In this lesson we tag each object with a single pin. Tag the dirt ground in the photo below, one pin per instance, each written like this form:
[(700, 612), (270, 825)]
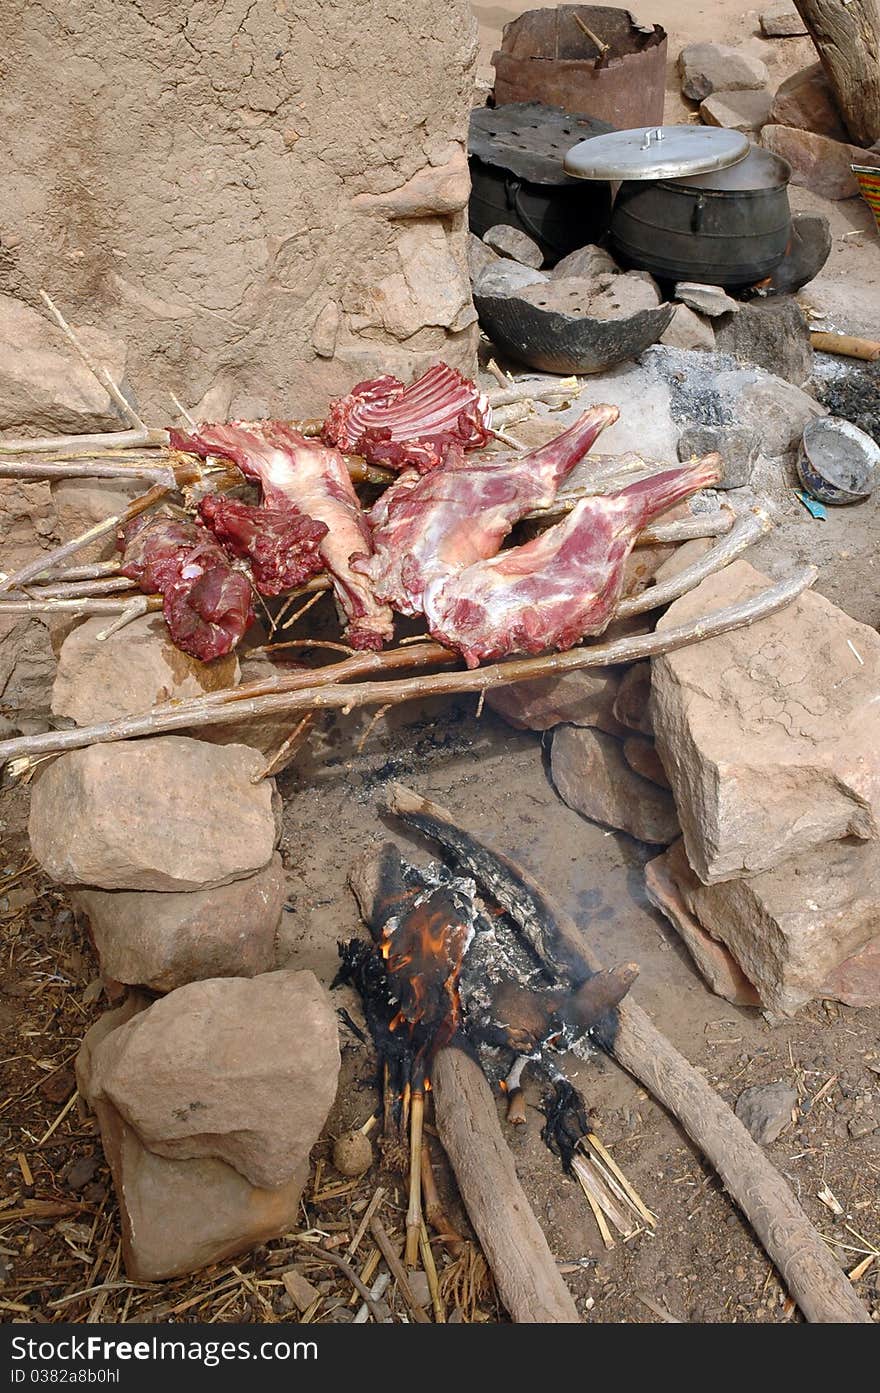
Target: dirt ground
[(59, 1248)]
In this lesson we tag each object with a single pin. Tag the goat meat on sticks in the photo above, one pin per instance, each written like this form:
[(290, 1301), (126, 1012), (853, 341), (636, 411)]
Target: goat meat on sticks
[(562, 586), (428, 529), (302, 476), (413, 426), (282, 545), (206, 602)]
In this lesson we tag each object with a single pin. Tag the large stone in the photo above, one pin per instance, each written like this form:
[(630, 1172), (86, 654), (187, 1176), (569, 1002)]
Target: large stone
[(782, 21), (576, 698), (164, 940), (687, 329), (805, 101), (817, 163), (771, 334), (166, 813), (765, 1109), (707, 299), (715, 963), (480, 257), (178, 1216), (26, 661), (641, 755), (770, 735), (592, 776), (856, 982), (133, 670), (518, 246), (45, 387), (632, 704), (210, 219), (705, 68), (241, 1070), (745, 111), (506, 277), (585, 263), (792, 927), (81, 503)]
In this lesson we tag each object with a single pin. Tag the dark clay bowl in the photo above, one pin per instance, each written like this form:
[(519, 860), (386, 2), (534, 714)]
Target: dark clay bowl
[(837, 461), (554, 342)]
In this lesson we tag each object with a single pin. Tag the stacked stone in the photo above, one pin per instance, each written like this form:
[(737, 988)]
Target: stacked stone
[(770, 738), (210, 1098)]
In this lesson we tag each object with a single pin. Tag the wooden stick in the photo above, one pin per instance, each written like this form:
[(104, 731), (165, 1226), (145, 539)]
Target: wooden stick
[(94, 368), (434, 1211), (86, 604), (801, 1256), (523, 1266), (414, 1211), (534, 391), (87, 469), (398, 1272), (846, 345), (430, 1267), (47, 444), (744, 533), (100, 529), (80, 589), (133, 610), (294, 693), (337, 1261), (701, 525)]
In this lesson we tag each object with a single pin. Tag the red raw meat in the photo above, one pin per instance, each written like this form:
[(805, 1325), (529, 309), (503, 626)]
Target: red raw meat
[(282, 544), (563, 585), (206, 602), (308, 478), (413, 426), (430, 527)]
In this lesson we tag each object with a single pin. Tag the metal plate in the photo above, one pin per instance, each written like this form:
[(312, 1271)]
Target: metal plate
[(656, 152), (529, 139)]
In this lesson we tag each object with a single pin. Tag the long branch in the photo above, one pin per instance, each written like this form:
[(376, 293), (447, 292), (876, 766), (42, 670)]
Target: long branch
[(345, 697)]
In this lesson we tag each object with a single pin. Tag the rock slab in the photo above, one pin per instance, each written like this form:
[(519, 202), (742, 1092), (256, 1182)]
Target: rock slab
[(770, 735), (167, 813), (164, 940), (817, 163), (517, 245), (705, 68), (133, 670), (772, 334), (592, 776), (744, 111), (239, 1070), (576, 698), (782, 21), (805, 101)]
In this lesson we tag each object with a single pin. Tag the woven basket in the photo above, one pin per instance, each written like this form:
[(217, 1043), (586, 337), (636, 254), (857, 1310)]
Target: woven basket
[(869, 187)]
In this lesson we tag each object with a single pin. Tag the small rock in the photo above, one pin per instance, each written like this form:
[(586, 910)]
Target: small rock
[(765, 1110), (705, 68), (782, 21), (688, 330), (592, 776), (506, 278), (744, 111), (641, 755), (45, 388), (632, 703), (773, 750), (585, 264), (135, 669), (166, 813), (715, 963), (577, 698), (418, 1281), (240, 1070), (480, 257), (772, 334), (517, 245), (81, 1171), (818, 163), (737, 445), (708, 299), (163, 940), (805, 101)]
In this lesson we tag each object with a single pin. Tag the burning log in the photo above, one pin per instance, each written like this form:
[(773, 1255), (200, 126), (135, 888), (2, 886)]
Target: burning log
[(802, 1258)]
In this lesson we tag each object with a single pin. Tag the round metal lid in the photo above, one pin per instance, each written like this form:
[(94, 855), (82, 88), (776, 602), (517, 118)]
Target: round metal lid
[(656, 152)]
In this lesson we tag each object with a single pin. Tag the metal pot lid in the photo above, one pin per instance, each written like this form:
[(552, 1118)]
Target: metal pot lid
[(530, 139), (656, 152)]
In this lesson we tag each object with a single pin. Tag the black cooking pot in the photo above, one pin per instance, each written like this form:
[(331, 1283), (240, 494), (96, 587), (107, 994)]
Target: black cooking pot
[(729, 227), (516, 153)]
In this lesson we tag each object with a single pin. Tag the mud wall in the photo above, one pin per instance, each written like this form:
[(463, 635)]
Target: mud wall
[(264, 198)]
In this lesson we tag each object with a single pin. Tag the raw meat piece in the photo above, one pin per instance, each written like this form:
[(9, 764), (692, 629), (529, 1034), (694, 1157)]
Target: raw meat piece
[(282, 545), (564, 584), (413, 426), (306, 477), (428, 528), (206, 603)]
